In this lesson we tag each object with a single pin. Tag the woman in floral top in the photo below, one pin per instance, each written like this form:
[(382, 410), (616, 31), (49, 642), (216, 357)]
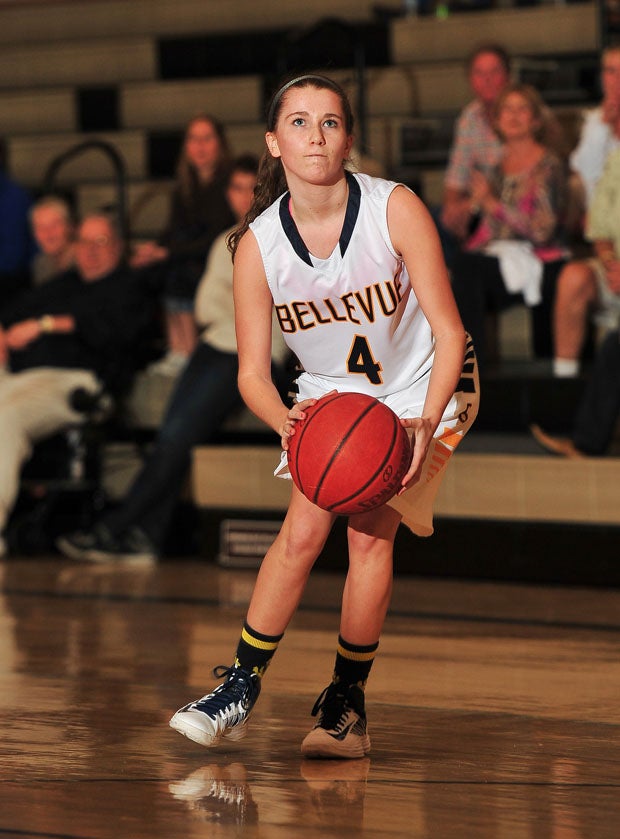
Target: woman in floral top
[(516, 252)]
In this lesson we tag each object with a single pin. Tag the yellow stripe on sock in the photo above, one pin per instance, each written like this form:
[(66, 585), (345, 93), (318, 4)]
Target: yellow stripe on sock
[(257, 643), (352, 656)]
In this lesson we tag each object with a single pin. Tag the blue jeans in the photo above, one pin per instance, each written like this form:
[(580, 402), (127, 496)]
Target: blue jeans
[(599, 407), (203, 398)]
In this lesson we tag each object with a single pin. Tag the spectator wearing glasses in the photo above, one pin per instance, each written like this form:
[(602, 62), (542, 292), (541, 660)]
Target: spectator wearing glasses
[(77, 331)]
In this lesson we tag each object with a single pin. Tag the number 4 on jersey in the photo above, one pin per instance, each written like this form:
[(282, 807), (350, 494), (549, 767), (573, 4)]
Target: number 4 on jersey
[(361, 360)]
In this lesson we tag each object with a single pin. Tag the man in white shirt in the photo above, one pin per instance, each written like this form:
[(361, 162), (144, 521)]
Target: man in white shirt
[(600, 133)]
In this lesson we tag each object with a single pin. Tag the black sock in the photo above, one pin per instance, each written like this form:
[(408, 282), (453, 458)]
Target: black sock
[(353, 663), (255, 650)]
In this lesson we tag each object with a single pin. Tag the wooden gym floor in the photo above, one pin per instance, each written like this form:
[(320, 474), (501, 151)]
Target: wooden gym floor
[(494, 711)]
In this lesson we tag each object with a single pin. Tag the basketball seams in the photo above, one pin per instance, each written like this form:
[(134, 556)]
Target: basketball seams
[(328, 461), (378, 471), (339, 448), (300, 428)]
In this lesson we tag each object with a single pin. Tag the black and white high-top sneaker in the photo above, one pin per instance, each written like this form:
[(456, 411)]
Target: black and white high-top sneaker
[(221, 713), (340, 728)]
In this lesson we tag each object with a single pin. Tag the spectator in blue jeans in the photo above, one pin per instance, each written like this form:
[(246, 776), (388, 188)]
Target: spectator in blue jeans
[(598, 411), (205, 394)]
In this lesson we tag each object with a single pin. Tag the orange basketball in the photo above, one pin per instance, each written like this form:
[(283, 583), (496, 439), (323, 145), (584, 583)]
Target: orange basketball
[(350, 453)]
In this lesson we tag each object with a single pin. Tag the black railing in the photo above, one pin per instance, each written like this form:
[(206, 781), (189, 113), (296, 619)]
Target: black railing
[(120, 171)]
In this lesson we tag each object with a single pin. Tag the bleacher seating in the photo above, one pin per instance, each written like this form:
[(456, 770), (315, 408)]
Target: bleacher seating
[(543, 29), (132, 73)]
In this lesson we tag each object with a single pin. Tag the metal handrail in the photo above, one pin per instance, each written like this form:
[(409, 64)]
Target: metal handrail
[(118, 165)]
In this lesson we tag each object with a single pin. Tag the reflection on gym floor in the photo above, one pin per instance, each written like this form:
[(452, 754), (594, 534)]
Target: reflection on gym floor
[(493, 710)]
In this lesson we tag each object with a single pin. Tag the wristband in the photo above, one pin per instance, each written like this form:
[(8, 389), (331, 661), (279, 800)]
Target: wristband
[(46, 323)]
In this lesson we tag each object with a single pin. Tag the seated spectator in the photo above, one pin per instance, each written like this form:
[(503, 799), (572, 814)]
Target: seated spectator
[(77, 331), (204, 396), (600, 132), (598, 411), (476, 143), (199, 213), (54, 231), (591, 286), (17, 246), (516, 252)]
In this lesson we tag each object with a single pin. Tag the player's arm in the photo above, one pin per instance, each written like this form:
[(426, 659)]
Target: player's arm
[(253, 323), (415, 237)]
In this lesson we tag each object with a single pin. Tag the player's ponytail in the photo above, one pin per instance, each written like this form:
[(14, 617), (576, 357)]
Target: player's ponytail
[(270, 184)]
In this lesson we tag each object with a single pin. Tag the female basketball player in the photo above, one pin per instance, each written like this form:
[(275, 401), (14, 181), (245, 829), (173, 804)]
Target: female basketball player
[(354, 268)]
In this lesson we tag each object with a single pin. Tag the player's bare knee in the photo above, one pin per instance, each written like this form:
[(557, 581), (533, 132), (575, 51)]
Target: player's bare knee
[(366, 547), (301, 542)]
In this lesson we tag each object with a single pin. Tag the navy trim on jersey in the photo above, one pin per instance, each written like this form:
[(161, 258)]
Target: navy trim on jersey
[(353, 208), (348, 226)]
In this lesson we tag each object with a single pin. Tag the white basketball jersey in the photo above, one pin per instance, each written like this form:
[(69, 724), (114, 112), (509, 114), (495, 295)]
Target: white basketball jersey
[(352, 320)]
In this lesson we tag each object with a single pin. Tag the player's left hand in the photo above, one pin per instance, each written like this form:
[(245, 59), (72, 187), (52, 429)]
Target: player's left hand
[(420, 441), (296, 413)]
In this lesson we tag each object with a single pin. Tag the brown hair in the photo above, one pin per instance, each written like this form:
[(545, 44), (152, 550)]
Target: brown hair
[(535, 102), (186, 173), (62, 207), (271, 179), (495, 49)]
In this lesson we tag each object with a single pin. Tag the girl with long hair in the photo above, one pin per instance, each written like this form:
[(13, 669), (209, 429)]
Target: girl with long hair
[(328, 249), (199, 212)]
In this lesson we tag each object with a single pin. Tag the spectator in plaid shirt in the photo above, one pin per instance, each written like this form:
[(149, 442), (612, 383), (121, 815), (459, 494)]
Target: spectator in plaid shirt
[(475, 144)]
